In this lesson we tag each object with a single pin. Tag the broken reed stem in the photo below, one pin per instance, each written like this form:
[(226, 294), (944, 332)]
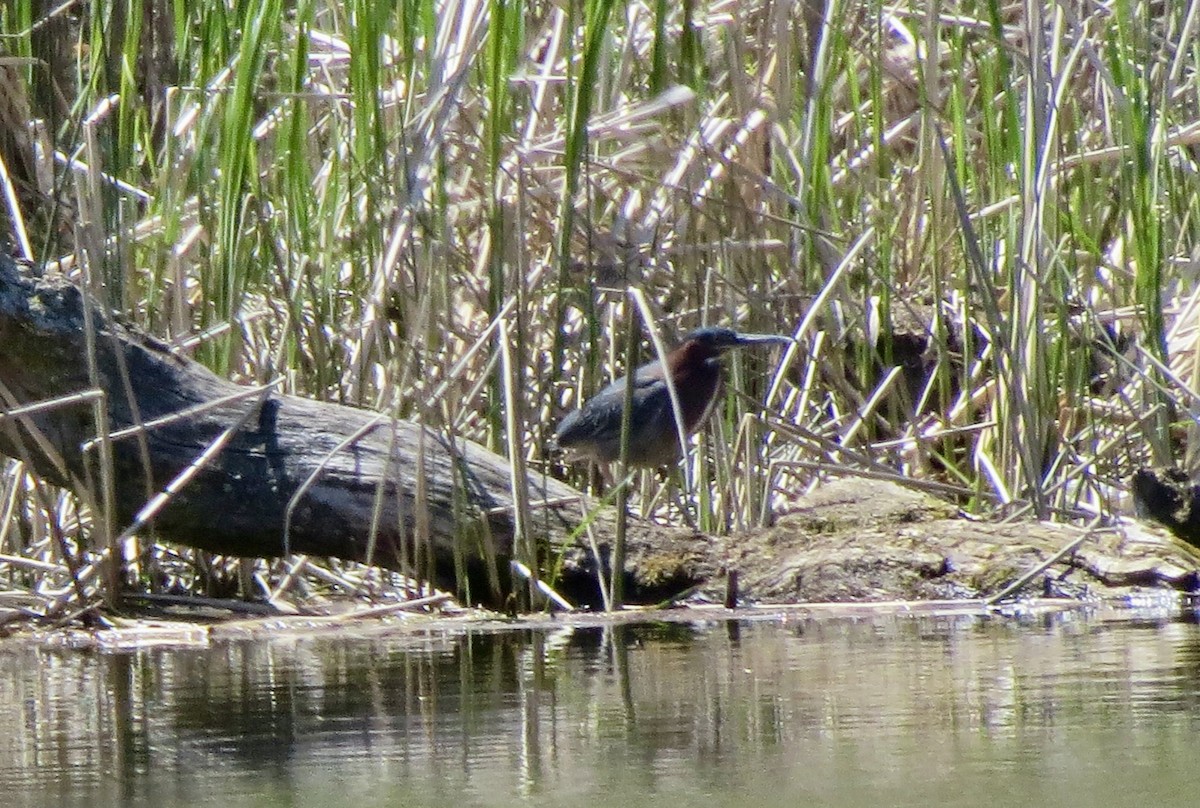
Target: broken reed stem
[(161, 499), (1019, 584), (524, 549), (616, 587), (38, 407)]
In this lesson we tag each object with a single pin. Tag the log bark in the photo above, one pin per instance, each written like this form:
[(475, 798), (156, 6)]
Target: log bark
[(332, 458)]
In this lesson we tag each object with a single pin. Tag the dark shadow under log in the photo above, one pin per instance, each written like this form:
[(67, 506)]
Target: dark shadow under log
[(340, 456)]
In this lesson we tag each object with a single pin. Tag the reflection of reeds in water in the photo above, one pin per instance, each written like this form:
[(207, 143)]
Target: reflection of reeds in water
[(777, 708), (347, 197)]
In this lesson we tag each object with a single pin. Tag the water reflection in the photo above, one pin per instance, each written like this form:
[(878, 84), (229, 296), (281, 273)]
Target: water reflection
[(897, 711)]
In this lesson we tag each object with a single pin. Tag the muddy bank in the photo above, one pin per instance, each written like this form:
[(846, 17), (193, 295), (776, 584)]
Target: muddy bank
[(866, 540)]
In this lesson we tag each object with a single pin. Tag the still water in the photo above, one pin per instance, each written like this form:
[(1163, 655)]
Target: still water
[(885, 711)]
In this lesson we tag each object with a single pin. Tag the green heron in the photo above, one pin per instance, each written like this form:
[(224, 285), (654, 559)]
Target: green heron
[(594, 430)]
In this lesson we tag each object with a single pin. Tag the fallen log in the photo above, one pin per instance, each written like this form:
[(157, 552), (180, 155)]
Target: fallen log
[(359, 483), (851, 540)]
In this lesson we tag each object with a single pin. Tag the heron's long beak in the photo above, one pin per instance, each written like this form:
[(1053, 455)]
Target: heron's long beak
[(763, 339)]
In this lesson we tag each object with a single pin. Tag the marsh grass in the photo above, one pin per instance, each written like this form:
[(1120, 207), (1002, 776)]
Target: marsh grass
[(347, 195)]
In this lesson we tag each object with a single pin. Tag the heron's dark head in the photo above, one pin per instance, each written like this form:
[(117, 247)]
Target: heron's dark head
[(716, 340)]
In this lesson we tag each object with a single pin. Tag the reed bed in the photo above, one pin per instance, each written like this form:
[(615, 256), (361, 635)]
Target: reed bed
[(978, 219)]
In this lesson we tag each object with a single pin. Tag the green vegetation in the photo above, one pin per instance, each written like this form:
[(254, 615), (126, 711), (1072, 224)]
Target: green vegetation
[(1000, 194)]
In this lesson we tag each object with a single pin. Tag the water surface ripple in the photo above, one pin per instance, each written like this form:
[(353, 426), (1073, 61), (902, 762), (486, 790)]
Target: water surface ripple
[(890, 711)]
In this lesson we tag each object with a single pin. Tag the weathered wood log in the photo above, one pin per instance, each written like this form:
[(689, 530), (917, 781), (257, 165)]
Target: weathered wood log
[(334, 457)]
